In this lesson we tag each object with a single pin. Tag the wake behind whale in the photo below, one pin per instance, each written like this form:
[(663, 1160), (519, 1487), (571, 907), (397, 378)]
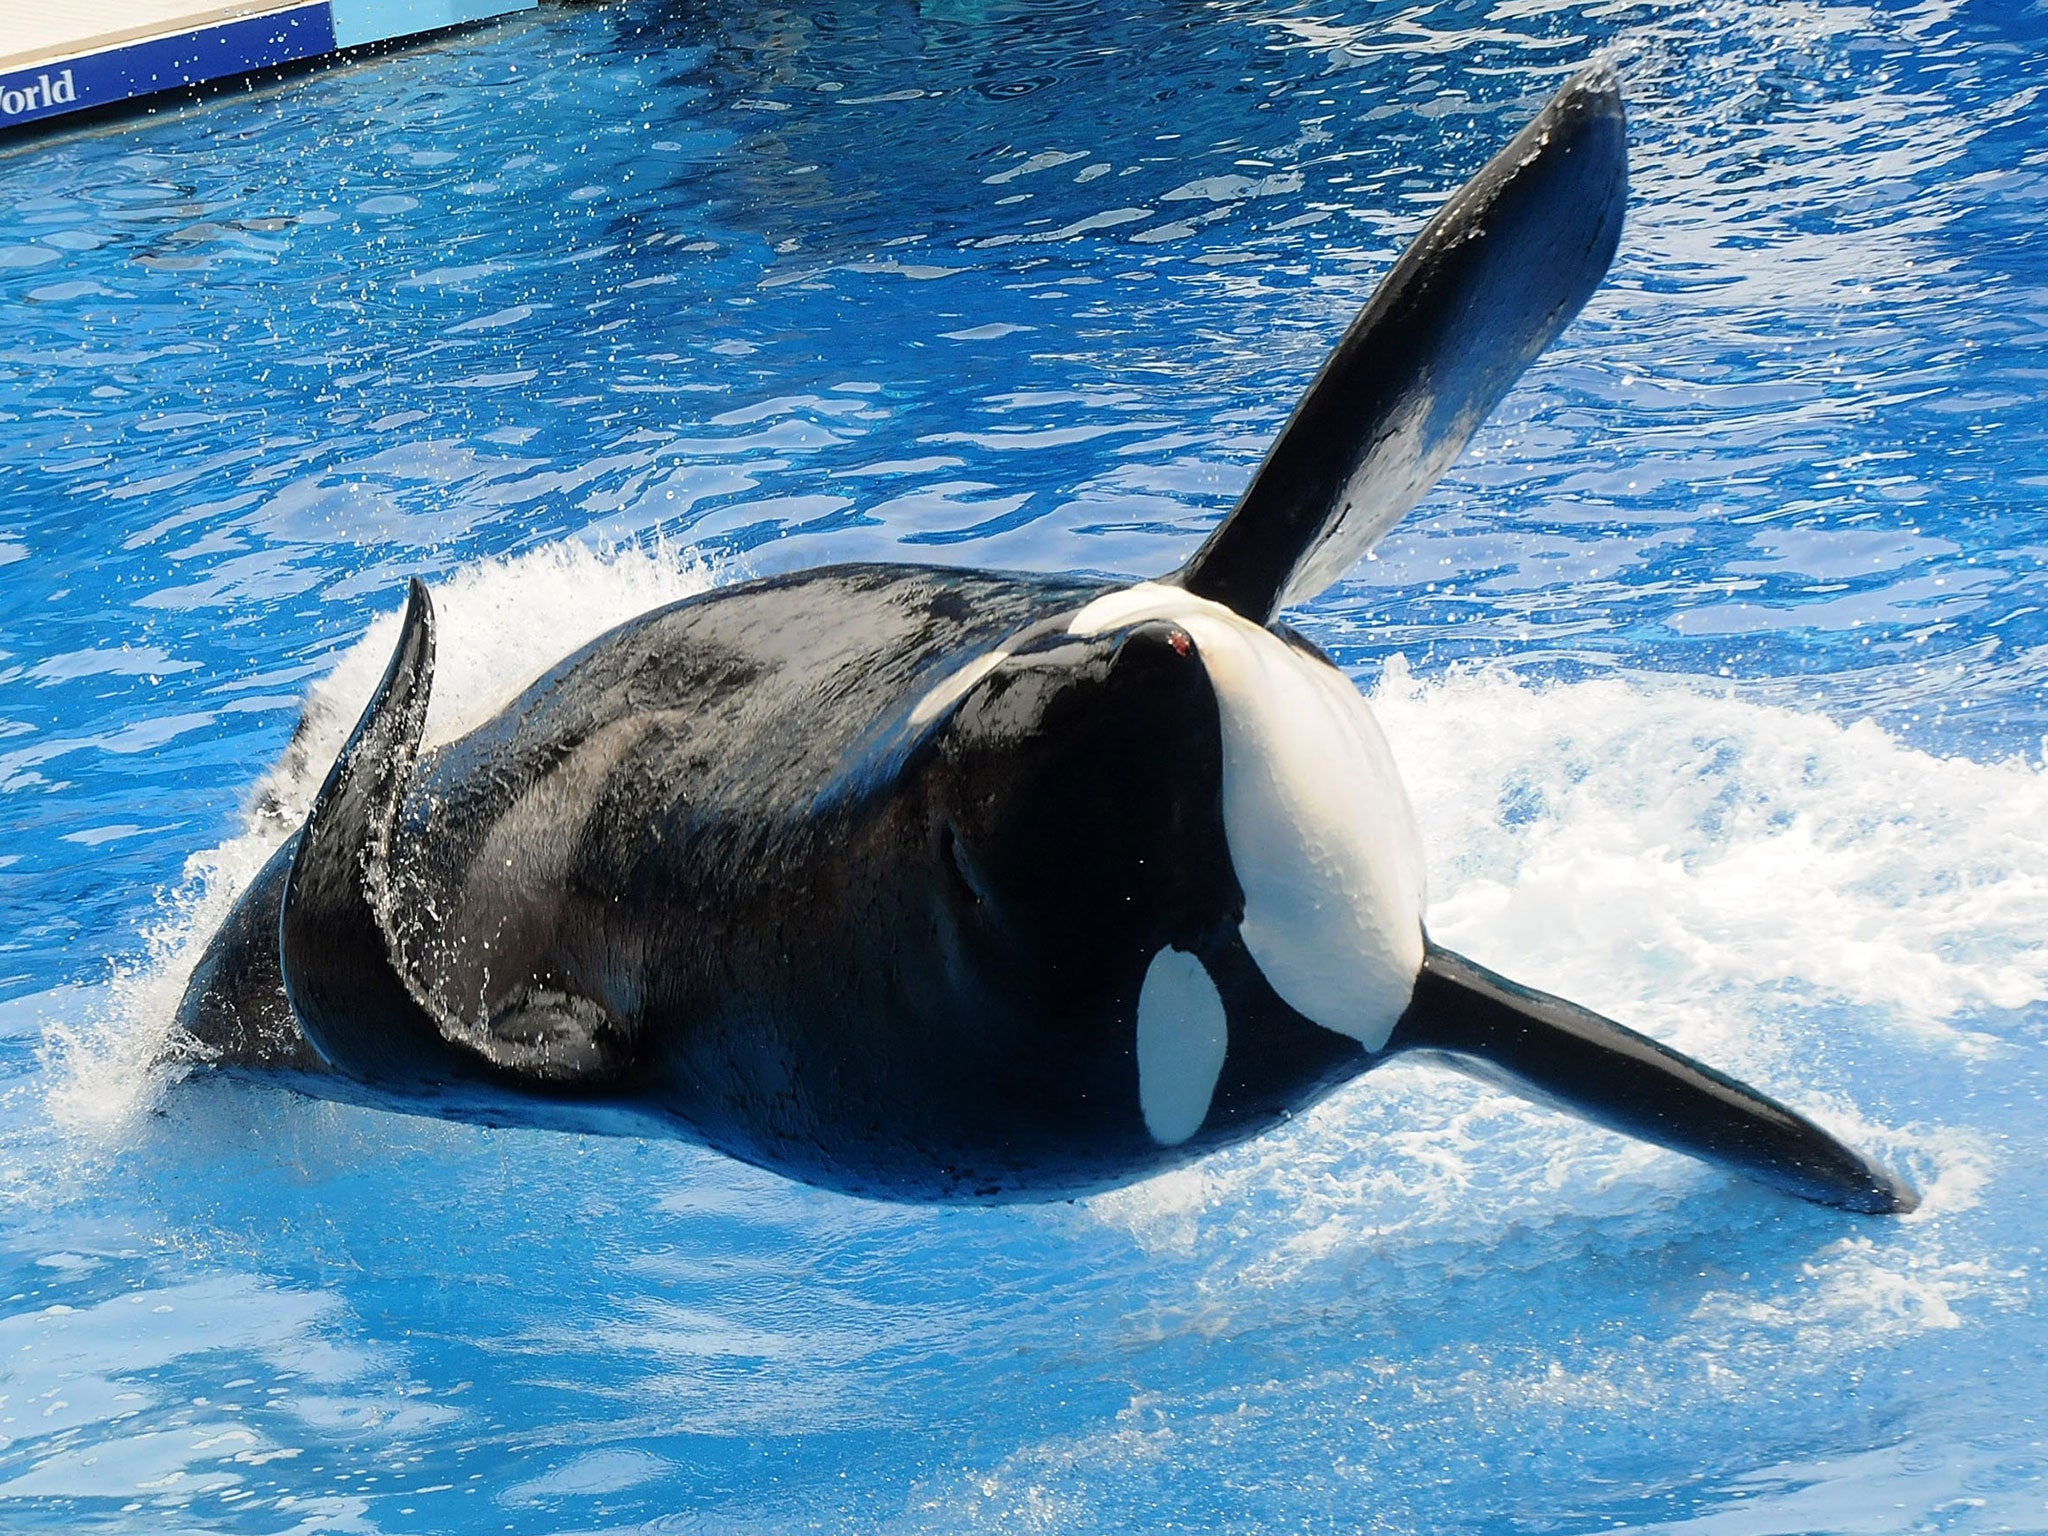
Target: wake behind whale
[(925, 883)]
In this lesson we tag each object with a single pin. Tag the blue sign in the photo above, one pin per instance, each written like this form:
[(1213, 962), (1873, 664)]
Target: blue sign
[(164, 63)]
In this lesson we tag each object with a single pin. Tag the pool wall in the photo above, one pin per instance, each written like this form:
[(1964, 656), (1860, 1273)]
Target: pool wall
[(98, 54)]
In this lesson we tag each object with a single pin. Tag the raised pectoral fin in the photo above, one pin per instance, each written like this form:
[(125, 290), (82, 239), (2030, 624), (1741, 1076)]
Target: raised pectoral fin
[(1485, 287), (1557, 1052)]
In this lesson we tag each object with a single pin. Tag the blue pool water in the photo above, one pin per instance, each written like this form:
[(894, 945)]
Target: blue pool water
[(1714, 670)]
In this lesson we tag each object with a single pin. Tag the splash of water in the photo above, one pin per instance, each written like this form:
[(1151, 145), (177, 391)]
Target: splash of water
[(501, 624), (1718, 871)]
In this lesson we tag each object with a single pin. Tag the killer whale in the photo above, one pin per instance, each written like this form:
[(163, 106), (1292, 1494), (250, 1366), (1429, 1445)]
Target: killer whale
[(931, 883)]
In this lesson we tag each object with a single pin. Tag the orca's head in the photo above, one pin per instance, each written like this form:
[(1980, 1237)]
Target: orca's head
[(1129, 803), (1150, 810), (1078, 812)]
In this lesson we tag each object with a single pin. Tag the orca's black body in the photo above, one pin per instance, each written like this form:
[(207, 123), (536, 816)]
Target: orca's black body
[(930, 883)]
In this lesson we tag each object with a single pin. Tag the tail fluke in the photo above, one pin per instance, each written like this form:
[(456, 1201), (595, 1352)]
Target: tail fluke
[(1487, 285), (1559, 1053)]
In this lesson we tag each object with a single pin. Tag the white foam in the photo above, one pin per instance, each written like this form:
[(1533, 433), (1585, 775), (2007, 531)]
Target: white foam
[(500, 624), (1763, 887), (1654, 846)]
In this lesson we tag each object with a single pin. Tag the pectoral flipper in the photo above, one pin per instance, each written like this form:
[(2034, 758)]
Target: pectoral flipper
[(1486, 286), (1557, 1052)]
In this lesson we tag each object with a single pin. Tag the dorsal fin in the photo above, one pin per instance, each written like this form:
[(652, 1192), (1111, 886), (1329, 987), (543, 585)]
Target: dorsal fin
[(350, 998), (343, 972), (343, 969), (1487, 285)]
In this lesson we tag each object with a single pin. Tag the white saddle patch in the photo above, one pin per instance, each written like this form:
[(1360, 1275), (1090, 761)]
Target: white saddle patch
[(1319, 829), (1182, 1037)]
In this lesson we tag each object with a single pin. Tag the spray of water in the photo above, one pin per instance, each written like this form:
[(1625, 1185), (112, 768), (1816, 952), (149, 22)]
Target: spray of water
[(501, 624), (1720, 872)]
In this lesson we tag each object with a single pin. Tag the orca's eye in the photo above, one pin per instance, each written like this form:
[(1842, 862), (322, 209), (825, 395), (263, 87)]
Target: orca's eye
[(1161, 632)]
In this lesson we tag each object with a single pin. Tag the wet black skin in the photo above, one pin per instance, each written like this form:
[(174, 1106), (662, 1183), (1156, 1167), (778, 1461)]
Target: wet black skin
[(712, 876), (887, 959)]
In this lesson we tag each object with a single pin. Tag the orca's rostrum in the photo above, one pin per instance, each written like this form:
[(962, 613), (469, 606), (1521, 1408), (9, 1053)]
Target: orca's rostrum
[(925, 883)]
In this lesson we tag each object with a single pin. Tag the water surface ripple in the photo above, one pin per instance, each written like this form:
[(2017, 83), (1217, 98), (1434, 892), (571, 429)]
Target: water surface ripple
[(1714, 669)]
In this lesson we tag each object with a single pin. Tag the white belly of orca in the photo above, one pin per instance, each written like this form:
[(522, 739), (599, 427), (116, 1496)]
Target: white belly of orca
[(1319, 829)]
